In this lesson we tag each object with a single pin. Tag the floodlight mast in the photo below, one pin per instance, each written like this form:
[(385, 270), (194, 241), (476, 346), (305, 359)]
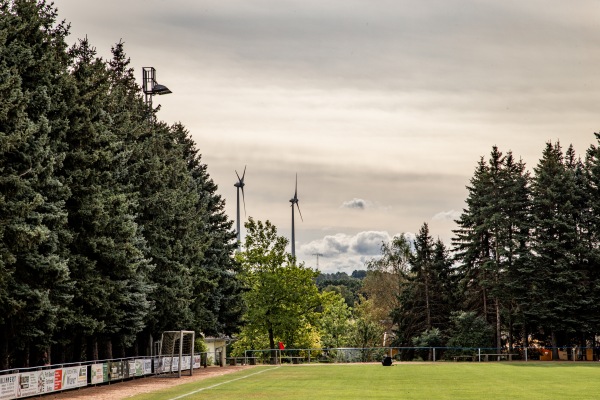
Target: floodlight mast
[(151, 87)]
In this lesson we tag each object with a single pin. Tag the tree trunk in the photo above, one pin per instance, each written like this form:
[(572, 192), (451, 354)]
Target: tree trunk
[(498, 327), (4, 349), (485, 311), (554, 348), (510, 334), (93, 348), (26, 356), (107, 352), (272, 346)]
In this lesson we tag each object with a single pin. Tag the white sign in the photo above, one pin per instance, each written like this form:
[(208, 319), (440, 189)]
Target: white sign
[(8, 386)]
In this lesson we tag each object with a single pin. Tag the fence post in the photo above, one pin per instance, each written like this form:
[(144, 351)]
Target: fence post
[(479, 353), (525, 353), (434, 354)]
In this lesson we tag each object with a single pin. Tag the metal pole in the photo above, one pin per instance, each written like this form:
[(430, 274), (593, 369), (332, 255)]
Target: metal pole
[(180, 354)]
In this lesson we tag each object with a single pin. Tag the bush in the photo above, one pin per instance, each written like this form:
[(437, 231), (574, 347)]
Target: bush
[(429, 338), (469, 331)]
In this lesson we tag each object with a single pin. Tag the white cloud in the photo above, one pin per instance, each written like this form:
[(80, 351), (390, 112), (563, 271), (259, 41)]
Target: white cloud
[(342, 252), (447, 215)]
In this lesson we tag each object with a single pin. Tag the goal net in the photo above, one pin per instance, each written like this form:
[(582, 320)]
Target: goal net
[(175, 353)]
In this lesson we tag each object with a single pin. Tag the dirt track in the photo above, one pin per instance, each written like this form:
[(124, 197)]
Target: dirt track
[(130, 388)]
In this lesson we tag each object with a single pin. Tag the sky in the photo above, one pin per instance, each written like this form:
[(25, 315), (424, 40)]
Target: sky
[(382, 108)]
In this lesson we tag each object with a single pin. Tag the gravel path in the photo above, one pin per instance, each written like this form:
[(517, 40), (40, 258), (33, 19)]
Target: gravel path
[(130, 388)]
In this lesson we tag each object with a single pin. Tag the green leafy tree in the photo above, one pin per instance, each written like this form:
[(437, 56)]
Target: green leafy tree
[(335, 321), (366, 332), (386, 280), (426, 340), (282, 299)]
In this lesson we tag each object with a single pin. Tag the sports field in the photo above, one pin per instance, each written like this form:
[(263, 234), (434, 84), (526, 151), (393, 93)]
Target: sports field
[(493, 380)]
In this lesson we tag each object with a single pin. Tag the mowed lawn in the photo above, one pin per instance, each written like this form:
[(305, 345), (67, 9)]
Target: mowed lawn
[(442, 380)]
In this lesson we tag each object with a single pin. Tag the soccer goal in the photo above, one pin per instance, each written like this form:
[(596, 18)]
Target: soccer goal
[(175, 354)]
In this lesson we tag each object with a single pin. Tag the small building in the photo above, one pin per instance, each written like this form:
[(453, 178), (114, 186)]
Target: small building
[(216, 348)]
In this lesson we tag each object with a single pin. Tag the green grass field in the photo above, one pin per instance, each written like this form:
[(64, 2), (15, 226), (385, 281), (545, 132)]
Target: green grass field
[(493, 380)]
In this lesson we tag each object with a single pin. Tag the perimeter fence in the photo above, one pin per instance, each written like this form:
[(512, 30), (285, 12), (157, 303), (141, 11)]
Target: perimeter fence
[(50, 379), (40, 380), (376, 354)]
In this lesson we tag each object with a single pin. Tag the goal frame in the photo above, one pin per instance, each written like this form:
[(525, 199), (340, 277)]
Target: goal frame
[(175, 350)]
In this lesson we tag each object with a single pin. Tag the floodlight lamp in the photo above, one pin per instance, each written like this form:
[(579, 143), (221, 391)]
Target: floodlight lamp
[(160, 89)]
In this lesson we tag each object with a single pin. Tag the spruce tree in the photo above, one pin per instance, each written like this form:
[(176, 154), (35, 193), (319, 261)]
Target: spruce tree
[(168, 216), (590, 230), (218, 304), (431, 295), (34, 279), (128, 123), (555, 281), (492, 237), (107, 260)]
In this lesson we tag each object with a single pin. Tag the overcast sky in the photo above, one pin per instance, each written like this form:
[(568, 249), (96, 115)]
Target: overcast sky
[(383, 108)]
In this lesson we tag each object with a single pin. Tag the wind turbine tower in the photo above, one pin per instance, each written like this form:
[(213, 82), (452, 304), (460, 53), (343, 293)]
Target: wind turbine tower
[(240, 186), (294, 200)]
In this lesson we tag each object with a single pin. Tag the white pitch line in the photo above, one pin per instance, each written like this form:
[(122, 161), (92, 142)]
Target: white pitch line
[(222, 383)]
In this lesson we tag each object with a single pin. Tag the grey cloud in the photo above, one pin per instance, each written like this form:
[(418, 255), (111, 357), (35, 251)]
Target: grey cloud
[(363, 243), (369, 243), (346, 253), (329, 246), (355, 203), (409, 46)]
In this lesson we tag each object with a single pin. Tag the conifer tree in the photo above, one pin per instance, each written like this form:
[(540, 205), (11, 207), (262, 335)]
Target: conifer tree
[(218, 305), (492, 237), (128, 123), (555, 281), (34, 279), (169, 218), (107, 260), (590, 229)]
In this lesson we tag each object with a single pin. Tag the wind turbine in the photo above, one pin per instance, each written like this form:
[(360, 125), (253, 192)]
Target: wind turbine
[(240, 185), (294, 200)]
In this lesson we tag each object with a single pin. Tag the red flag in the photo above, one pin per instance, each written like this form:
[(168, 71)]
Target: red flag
[(281, 346)]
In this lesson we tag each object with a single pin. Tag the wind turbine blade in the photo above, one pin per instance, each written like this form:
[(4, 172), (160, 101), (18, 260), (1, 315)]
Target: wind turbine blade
[(244, 200), (238, 175), (298, 205), (244, 174), (296, 191)]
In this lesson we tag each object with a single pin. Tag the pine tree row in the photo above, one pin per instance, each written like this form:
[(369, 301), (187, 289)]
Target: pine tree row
[(111, 230), (525, 266)]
